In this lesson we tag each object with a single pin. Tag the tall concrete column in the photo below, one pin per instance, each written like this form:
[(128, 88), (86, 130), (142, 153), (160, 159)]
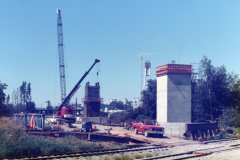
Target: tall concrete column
[(174, 93)]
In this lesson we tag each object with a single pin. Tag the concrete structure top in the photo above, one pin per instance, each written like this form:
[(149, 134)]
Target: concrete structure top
[(173, 68)]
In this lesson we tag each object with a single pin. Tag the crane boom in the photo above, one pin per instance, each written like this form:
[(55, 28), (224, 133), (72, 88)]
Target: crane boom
[(61, 55), (75, 88)]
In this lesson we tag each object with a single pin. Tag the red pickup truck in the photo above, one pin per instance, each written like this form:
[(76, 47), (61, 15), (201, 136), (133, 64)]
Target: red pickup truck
[(148, 127)]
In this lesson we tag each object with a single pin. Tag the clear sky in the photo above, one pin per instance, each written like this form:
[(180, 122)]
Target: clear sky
[(114, 31)]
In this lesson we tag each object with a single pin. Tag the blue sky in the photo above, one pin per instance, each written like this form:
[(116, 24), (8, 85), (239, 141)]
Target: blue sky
[(115, 32)]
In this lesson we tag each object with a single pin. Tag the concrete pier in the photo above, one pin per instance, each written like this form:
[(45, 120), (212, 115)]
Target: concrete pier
[(174, 93)]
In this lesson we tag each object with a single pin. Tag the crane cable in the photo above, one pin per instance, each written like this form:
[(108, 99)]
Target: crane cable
[(98, 72)]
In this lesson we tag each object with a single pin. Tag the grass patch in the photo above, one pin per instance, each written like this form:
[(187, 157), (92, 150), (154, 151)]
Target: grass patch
[(128, 157), (15, 142), (148, 155)]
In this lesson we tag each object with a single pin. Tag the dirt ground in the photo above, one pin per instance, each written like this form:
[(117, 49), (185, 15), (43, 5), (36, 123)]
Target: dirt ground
[(227, 155), (168, 141), (121, 131)]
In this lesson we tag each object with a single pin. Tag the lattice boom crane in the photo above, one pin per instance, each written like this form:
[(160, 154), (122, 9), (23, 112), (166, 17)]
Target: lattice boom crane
[(61, 55)]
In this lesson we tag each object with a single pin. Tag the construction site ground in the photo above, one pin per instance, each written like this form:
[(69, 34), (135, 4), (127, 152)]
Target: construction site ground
[(123, 132), (182, 144)]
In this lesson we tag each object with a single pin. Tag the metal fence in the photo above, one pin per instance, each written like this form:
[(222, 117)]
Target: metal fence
[(30, 121)]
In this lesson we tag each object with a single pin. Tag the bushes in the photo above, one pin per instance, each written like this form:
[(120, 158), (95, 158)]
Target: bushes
[(129, 157), (15, 142), (229, 118), (119, 117), (237, 132)]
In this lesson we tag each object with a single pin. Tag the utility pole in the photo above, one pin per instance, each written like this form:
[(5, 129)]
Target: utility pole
[(61, 55)]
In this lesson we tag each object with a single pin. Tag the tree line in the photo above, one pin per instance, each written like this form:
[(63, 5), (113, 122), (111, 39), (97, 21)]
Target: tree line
[(215, 96), (21, 100)]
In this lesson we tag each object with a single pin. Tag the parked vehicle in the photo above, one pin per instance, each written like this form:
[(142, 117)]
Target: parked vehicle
[(148, 127), (54, 119), (87, 127)]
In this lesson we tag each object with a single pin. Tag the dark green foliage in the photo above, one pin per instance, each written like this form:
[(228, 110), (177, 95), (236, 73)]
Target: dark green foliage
[(15, 142), (118, 105), (20, 108), (146, 111), (2, 94), (26, 104), (229, 118), (8, 110), (138, 114), (2, 98), (211, 93), (149, 99), (7, 99), (119, 117), (30, 106), (237, 132), (216, 96), (49, 107), (25, 92), (115, 105), (236, 94), (148, 108)]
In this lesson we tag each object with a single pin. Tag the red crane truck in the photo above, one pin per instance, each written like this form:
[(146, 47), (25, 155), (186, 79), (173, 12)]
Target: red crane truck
[(64, 110)]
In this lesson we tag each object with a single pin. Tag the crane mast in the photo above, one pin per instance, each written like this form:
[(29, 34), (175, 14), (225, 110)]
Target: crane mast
[(61, 55)]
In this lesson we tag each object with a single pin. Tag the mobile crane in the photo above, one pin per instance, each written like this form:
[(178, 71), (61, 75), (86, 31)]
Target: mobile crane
[(64, 110)]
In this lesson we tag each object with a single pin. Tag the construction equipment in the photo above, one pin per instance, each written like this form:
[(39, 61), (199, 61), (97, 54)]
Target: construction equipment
[(64, 110), (87, 127), (61, 55)]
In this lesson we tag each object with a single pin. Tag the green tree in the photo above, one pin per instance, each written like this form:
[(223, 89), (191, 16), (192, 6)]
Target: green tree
[(30, 106), (7, 99), (149, 99), (235, 109), (137, 114), (128, 105), (236, 94), (211, 93), (2, 98), (28, 92), (25, 94), (20, 108), (116, 105), (9, 110)]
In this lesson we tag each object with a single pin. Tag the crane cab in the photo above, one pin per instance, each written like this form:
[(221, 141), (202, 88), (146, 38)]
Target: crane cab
[(66, 113)]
